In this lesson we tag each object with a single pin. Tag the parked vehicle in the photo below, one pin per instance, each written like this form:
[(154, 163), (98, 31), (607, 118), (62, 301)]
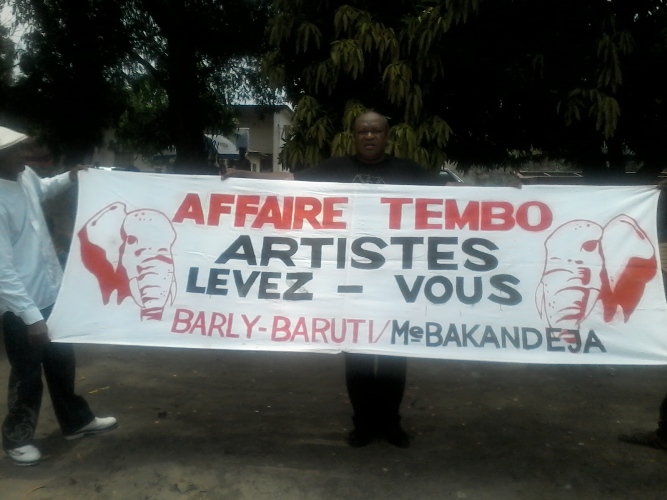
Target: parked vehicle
[(117, 169), (446, 175)]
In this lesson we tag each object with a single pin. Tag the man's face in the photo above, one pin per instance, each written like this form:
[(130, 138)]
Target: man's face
[(370, 137), (14, 159)]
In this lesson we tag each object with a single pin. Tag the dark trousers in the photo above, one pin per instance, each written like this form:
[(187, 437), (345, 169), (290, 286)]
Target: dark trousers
[(375, 385), (25, 385), (662, 422), (662, 419)]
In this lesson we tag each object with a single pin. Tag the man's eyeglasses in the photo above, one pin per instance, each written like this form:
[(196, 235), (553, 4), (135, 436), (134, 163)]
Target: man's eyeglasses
[(373, 132)]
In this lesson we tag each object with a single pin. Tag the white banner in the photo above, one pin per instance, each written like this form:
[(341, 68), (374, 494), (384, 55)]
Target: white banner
[(543, 274)]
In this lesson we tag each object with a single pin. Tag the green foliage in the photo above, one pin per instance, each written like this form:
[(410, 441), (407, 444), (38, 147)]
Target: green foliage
[(140, 127), (602, 107), (465, 80), (162, 72), (471, 80), (6, 58), (6, 68), (365, 57), (66, 88)]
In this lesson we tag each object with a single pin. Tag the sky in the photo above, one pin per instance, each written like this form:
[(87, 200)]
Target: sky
[(6, 20)]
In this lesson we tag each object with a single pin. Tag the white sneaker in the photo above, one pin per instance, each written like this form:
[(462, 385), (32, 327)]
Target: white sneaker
[(95, 427), (24, 455)]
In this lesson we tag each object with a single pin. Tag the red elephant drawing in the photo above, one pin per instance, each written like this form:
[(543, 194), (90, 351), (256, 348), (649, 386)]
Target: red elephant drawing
[(131, 253), (586, 263)]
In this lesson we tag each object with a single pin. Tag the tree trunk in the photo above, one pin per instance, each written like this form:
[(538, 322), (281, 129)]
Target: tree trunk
[(185, 114), (184, 105)]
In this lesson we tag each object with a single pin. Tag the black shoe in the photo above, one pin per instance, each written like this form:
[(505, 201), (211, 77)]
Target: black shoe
[(396, 436), (360, 437), (650, 439)]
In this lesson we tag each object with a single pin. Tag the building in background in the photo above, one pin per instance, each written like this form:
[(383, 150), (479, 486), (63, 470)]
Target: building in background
[(255, 145), (262, 131)]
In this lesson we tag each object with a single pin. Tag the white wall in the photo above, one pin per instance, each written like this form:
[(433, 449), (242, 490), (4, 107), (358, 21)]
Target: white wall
[(281, 121), (266, 136), (107, 157)]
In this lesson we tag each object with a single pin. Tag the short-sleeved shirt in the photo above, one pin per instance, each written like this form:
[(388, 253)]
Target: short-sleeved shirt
[(391, 170)]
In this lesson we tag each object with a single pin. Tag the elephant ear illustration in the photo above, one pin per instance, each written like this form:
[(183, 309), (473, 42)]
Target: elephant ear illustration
[(630, 263), (100, 240)]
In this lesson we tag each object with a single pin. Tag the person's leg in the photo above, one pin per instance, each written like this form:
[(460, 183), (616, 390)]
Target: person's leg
[(360, 381), (661, 432), (25, 384), (390, 375), (662, 422), (72, 411), (662, 416), (653, 439)]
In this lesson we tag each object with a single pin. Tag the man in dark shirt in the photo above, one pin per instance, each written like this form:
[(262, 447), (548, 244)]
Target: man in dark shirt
[(370, 164), (375, 384)]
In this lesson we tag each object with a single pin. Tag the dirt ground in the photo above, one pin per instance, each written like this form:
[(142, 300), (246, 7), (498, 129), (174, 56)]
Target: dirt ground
[(213, 424)]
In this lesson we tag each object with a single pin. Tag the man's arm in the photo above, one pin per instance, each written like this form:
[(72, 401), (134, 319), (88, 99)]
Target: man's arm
[(52, 186)]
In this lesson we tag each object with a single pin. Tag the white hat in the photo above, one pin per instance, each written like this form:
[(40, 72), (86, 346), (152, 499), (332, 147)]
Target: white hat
[(9, 137)]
